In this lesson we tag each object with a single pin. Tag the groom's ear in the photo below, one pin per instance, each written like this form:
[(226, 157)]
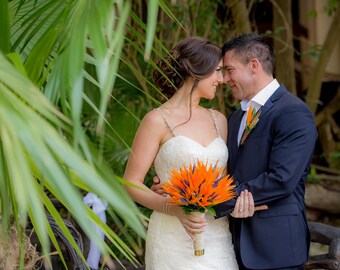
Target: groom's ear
[(254, 65)]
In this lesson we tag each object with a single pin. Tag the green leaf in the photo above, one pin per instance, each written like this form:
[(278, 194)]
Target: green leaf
[(40, 53), (4, 27)]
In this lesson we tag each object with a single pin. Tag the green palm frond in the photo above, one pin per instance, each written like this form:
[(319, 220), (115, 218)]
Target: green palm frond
[(62, 53), (30, 141)]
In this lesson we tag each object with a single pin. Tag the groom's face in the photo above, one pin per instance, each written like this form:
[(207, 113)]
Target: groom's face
[(238, 76)]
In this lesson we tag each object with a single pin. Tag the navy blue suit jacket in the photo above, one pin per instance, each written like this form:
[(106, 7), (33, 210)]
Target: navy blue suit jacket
[(272, 164)]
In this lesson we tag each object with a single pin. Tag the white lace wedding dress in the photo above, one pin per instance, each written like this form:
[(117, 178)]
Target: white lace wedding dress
[(168, 246)]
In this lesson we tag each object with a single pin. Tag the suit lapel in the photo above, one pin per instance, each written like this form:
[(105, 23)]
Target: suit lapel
[(270, 102), (233, 127), (236, 126)]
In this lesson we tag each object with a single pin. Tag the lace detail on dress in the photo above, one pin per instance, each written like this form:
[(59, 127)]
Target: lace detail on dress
[(167, 121), (213, 115)]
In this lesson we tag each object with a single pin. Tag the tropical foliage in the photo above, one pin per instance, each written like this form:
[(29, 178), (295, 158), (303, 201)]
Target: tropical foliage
[(75, 80), (58, 63)]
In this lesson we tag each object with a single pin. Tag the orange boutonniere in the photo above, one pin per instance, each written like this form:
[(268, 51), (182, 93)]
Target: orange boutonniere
[(199, 187), (251, 121)]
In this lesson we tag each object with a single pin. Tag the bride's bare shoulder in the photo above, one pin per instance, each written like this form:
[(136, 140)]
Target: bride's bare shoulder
[(220, 116), (153, 118)]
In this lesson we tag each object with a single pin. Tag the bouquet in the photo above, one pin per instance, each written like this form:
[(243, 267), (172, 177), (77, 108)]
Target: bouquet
[(197, 189)]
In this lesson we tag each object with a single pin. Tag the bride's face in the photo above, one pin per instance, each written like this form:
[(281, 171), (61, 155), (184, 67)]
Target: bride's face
[(206, 88)]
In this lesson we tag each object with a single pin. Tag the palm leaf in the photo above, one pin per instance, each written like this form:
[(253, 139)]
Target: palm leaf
[(32, 143), (44, 147)]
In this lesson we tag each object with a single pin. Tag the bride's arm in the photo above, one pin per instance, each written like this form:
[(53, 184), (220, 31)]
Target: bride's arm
[(144, 149)]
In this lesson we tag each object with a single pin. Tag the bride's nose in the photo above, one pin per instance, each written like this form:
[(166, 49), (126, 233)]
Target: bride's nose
[(220, 78)]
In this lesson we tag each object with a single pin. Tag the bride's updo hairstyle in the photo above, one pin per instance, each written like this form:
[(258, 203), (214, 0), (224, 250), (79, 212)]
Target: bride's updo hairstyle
[(192, 57)]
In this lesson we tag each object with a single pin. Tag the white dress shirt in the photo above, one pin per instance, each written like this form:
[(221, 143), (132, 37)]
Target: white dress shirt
[(257, 101)]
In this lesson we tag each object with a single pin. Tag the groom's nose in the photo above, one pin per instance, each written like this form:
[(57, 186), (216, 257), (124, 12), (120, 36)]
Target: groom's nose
[(226, 77)]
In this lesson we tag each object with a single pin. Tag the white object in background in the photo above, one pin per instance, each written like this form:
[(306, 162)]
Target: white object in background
[(98, 207)]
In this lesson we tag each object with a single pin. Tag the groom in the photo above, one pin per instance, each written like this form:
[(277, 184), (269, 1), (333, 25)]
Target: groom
[(270, 159)]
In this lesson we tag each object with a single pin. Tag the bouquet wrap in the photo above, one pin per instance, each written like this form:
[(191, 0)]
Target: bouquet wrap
[(199, 237)]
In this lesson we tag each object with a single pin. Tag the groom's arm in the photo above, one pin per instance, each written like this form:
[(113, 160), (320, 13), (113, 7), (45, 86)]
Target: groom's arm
[(224, 209), (288, 160)]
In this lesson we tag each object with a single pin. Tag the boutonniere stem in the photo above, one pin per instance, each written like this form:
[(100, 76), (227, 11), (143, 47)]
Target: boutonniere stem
[(251, 121)]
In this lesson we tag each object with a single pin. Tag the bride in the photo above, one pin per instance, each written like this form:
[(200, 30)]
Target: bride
[(174, 135)]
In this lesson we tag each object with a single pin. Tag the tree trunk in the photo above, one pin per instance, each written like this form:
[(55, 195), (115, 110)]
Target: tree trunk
[(314, 90), (240, 15), (283, 44), (320, 198)]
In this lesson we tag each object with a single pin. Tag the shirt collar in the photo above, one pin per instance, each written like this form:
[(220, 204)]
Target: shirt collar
[(261, 97)]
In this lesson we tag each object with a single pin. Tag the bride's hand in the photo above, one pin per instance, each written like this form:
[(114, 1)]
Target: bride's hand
[(192, 224), (157, 186), (245, 206)]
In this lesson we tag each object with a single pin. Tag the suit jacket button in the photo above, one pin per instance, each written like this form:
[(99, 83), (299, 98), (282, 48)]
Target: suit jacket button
[(237, 183)]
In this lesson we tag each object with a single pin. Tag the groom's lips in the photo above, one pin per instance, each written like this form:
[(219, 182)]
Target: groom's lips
[(233, 86)]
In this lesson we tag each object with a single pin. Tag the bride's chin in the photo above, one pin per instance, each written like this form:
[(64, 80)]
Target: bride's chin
[(211, 97)]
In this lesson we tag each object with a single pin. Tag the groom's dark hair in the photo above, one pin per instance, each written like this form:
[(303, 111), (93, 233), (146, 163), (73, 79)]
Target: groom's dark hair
[(252, 45)]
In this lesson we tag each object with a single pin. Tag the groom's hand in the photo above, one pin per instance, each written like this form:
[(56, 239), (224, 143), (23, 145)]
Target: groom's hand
[(157, 186)]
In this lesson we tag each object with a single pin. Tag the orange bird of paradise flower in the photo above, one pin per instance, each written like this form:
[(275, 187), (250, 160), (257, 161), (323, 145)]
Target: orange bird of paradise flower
[(251, 121), (199, 187), (252, 118)]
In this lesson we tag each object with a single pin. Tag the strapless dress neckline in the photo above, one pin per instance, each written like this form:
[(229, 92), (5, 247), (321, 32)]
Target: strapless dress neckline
[(191, 139)]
